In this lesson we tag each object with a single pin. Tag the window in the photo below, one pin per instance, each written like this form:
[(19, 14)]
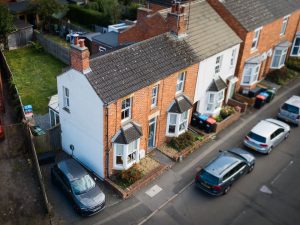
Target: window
[(215, 100), (177, 123), (54, 118), (284, 25), (102, 49), (180, 82), (126, 109), (250, 74), (233, 55), (296, 47), (125, 155), (154, 96), (218, 64), (279, 58), (255, 39), (66, 98)]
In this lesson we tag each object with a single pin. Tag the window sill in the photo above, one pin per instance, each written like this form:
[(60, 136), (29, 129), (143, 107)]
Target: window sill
[(253, 50), (66, 109), (153, 107), (277, 68), (125, 120), (118, 167)]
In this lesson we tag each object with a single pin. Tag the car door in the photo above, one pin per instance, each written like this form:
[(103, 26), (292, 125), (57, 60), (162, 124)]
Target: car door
[(277, 136)]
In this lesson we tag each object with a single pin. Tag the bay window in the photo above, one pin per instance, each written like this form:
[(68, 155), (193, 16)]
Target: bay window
[(125, 155), (296, 46), (279, 58), (177, 123), (250, 74)]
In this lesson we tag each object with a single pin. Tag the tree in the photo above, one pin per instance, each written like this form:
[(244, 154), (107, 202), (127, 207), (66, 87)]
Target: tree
[(111, 8), (6, 22), (46, 8)]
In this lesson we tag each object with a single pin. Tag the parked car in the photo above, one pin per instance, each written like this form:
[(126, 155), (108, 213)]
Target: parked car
[(266, 135), (2, 134), (217, 177), (290, 110), (79, 186)]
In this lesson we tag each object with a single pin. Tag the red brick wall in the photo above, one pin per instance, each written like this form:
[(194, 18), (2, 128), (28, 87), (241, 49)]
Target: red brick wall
[(155, 7), (269, 37), (148, 27), (80, 59), (141, 108)]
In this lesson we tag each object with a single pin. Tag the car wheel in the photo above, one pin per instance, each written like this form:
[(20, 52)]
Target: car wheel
[(226, 190), (270, 149), (251, 168), (287, 135)]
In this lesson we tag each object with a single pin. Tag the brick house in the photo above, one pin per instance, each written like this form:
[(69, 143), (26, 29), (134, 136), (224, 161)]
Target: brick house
[(267, 28), (116, 107)]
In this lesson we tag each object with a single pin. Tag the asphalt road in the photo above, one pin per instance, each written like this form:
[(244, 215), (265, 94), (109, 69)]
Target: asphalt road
[(270, 195)]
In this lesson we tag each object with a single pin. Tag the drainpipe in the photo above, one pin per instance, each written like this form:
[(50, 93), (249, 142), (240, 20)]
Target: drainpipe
[(107, 149)]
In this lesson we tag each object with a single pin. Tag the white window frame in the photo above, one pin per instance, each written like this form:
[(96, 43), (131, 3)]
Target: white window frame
[(154, 96), (66, 98), (296, 46), (218, 64), (180, 82), (126, 108), (214, 101), (102, 49), (255, 39), (130, 155), (181, 124), (54, 117), (233, 56), (284, 25), (281, 56), (253, 75)]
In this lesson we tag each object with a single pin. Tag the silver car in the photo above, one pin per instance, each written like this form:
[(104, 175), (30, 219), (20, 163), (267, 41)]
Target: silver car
[(266, 135), (290, 110)]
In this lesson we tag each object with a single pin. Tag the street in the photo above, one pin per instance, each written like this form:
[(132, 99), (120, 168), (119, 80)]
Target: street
[(269, 195)]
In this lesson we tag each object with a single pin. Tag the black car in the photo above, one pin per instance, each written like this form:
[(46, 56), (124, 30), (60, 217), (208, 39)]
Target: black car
[(218, 176), (79, 186)]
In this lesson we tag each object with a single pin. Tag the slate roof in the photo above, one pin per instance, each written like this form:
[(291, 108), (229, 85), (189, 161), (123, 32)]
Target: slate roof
[(180, 105), (128, 133), (109, 38), (255, 13), (18, 7), (127, 70), (207, 33), (217, 85)]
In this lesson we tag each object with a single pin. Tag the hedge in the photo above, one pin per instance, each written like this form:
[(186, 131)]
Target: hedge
[(87, 17)]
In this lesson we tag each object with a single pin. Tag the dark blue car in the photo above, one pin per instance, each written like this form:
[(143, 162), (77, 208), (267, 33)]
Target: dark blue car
[(217, 177)]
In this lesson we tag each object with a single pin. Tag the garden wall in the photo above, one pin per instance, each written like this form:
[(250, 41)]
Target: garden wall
[(243, 99), (227, 122), (234, 103), (53, 48)]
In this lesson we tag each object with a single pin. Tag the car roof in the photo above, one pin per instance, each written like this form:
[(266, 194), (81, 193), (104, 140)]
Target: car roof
[(72, 169), (265, 128), (222, 163), (294, 100)]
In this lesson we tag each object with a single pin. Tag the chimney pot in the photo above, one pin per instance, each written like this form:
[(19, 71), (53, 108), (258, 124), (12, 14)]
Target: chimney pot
[(76, 40), (81, 43), (182, 9)]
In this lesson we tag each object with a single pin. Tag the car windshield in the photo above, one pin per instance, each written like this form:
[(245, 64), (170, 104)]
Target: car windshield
[(257, 137), (290, 108), (209, 178), (82, 185)]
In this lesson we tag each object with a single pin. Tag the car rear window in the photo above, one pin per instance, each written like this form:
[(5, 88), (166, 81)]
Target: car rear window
[(290, 108), (209, 178), (257, 137)]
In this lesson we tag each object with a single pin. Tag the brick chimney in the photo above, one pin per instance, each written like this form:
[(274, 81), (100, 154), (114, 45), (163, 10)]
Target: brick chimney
[(142, 13), (80, 56), (175, 20)]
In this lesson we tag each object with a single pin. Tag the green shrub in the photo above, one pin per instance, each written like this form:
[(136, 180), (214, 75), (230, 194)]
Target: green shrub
[(218, 118), (87, 17), (125, 178), (184, 140), (278, 76), (226, 111), (294, 64)]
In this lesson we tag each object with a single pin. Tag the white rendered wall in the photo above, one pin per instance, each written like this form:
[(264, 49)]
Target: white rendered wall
[(83, 126), (206, 73)]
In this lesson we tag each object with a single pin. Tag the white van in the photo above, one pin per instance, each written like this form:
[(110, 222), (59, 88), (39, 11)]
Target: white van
[(290, 110)]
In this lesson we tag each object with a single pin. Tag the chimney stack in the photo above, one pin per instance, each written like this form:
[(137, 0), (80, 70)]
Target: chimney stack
[(80, 56), (176, 20)]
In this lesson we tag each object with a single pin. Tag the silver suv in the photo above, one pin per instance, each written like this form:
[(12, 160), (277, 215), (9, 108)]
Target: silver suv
[(217, 177), (290, 110)]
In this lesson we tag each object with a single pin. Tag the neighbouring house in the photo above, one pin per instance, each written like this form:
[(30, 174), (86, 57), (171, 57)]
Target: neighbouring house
[(295, 52), (117, 107), (21, 36), (267, 28)]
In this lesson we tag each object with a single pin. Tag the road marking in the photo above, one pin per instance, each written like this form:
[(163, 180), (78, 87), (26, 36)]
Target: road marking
[(153, 191), (266, 190), (118, 213), (165, 203), (282, 171)]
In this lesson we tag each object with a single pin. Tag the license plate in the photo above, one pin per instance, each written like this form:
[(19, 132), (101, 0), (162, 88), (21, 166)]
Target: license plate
[(205, 185)]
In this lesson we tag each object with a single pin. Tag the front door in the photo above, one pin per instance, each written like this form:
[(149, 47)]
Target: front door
[(151, 133)]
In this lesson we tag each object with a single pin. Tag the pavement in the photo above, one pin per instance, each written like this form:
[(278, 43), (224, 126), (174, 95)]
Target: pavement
[(255, 199)]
